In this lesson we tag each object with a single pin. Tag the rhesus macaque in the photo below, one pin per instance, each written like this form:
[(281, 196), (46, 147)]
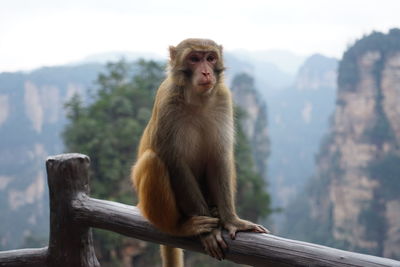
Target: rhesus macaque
[(185, 174)]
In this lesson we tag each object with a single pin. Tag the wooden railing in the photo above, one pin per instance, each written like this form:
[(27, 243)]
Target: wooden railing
[(73, 212)]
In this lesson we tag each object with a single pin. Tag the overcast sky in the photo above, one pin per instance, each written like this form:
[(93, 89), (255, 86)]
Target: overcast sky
[(36, 33)]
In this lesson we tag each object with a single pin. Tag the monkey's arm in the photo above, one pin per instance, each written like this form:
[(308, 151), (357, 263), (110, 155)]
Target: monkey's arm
[(222, 182)]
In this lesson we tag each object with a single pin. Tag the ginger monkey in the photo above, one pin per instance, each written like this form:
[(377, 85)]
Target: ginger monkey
[(185, 164)]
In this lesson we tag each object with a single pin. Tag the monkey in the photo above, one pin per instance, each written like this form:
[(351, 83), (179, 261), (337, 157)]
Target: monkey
[(184, 174)]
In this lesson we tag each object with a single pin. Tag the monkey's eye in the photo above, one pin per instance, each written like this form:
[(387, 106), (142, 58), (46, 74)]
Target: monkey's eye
[(211, 59), (194, 59)]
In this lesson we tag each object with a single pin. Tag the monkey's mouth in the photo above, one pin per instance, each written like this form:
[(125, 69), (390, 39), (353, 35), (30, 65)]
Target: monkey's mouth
[(205, 88), (206, 84)]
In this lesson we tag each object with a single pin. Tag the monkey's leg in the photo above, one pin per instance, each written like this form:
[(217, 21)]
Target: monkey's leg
[(191, 201), (157, 199), (157, 203), (188, 194)]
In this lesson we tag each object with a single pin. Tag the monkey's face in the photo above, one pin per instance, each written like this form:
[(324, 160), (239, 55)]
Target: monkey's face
[(197, 65), (202, 69)]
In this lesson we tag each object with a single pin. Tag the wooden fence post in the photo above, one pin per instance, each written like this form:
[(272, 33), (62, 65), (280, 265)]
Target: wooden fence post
[(70, 243)]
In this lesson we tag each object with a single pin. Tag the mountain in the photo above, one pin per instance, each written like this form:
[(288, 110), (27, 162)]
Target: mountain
[(286, 61), (273, 70), (31, 119), (353, 200), (255, 122), (298, 120)]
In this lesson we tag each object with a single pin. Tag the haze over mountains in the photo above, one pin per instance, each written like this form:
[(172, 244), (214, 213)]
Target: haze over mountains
[(331, 162), (299, 118)]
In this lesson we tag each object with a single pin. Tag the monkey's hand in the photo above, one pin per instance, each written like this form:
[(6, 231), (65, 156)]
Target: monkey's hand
[(214, 244), (236, 225), (197, 225)]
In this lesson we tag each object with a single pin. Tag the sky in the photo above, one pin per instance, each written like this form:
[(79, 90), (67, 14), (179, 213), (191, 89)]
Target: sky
[(35, 33)]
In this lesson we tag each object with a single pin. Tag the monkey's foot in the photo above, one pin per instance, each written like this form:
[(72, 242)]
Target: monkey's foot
[(197, 225), (237, 225), (214, 244)]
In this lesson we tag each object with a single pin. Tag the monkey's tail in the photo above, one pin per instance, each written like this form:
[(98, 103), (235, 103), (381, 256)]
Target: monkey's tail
[(172, 257)]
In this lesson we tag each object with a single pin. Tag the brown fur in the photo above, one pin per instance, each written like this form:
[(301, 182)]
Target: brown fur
[(185, 161)]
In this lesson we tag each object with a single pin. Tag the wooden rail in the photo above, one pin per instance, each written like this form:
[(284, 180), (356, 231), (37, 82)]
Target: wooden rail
[(73, 212)]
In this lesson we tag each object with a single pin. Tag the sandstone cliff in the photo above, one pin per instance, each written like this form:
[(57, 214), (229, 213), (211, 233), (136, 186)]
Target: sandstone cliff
[(353, 201), (31, 119)]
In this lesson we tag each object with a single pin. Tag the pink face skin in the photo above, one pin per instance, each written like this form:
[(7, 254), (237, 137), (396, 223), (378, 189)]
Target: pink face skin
[(202, 65)]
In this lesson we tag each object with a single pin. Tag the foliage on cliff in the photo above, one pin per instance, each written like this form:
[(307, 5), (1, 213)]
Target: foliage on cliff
[(386, 44)]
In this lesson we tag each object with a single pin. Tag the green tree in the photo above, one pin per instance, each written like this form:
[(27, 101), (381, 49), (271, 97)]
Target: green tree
[(108, 129), (252, 201)]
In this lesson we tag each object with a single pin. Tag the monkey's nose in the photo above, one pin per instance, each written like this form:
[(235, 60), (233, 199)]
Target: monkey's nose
[(206, 73)]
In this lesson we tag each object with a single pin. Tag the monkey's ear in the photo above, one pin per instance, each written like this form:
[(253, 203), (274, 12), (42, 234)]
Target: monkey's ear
[(172, 52)]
